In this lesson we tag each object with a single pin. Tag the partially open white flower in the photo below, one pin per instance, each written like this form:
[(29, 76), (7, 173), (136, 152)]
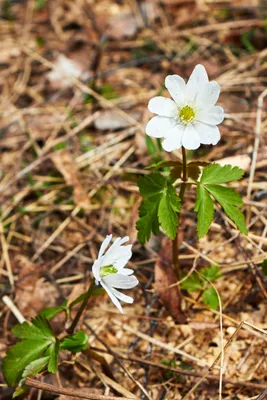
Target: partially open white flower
[(109, 269), (191, 118)]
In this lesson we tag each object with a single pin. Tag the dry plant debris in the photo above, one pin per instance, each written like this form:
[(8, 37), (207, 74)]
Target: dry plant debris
[(75, 79)]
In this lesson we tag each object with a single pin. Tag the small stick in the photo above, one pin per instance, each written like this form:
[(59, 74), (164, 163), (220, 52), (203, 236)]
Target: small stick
[(263, 395), (69, 392), (181, 371), (13, 308)]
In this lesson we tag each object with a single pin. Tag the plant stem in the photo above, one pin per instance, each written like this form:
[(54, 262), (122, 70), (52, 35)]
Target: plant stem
[(175, 244), (74, 323)]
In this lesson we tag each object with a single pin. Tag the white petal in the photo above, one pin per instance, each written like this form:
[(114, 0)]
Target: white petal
[(158, 126), (208, 95), (209, 134), (122, 296), (190, 139), (96, 269), (104, 245), (120, 281), (162, 106), (212, 116), (176, 87), (118, 256), (197, 79), (173, 139), (124, 240), (126, 271), (112, 297)]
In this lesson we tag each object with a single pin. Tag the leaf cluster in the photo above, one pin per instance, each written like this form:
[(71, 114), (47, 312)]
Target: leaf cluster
[(209, 187), (159, 207), (200, 281), (38, 349)]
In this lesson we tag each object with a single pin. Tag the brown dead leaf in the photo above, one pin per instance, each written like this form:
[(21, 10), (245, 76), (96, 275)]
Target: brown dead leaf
[(164, 278), (65, 164), (33, 293)]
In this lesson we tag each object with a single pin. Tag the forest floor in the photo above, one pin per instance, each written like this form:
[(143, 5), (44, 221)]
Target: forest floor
[(71, 150)]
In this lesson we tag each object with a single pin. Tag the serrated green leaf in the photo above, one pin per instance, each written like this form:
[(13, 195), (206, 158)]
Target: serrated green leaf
[(52, 353), (75, 343), (192, 283), (210, 298), (225, 194), (228, 199), (169, 206), (19, 356), (35, 367), (50, 312), (264, 267), (205, 209), (151, 185), (148, 221), (160, 205), (39, 329), (212, 273), (19, 391), (215, 174)]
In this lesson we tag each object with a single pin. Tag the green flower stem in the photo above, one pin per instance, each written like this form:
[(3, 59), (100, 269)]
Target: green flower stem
[(74, 323), (175, 244)]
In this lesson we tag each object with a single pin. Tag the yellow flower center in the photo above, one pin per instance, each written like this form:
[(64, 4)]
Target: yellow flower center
[(186, 114), (107, 270)]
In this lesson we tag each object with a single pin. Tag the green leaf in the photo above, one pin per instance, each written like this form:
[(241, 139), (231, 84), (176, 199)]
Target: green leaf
[(40, 329), (151, 185), (264, 267), (37, 337), (228, 199), (19, 356), (169, 206), (205, 209), (75, 343), (52, 353), (35, 367), (213, 175), (212, 273), (50, 312), (192, 283), (210, 298), (216, 174), (148, 221), (160, 206), (19, 391)]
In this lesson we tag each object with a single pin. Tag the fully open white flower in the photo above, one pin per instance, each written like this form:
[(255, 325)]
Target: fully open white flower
[(109, 269), (191, 118)]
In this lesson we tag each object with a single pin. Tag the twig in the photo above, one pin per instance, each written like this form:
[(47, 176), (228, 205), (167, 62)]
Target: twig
[(263, 395), (13, 308), (69, 392), (181, 371)]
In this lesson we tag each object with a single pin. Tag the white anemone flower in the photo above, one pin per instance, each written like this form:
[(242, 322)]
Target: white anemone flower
[(109, 270), (191, 118)]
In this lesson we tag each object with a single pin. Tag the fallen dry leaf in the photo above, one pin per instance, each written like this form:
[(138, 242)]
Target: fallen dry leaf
[(164, 278), (65, 164)]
